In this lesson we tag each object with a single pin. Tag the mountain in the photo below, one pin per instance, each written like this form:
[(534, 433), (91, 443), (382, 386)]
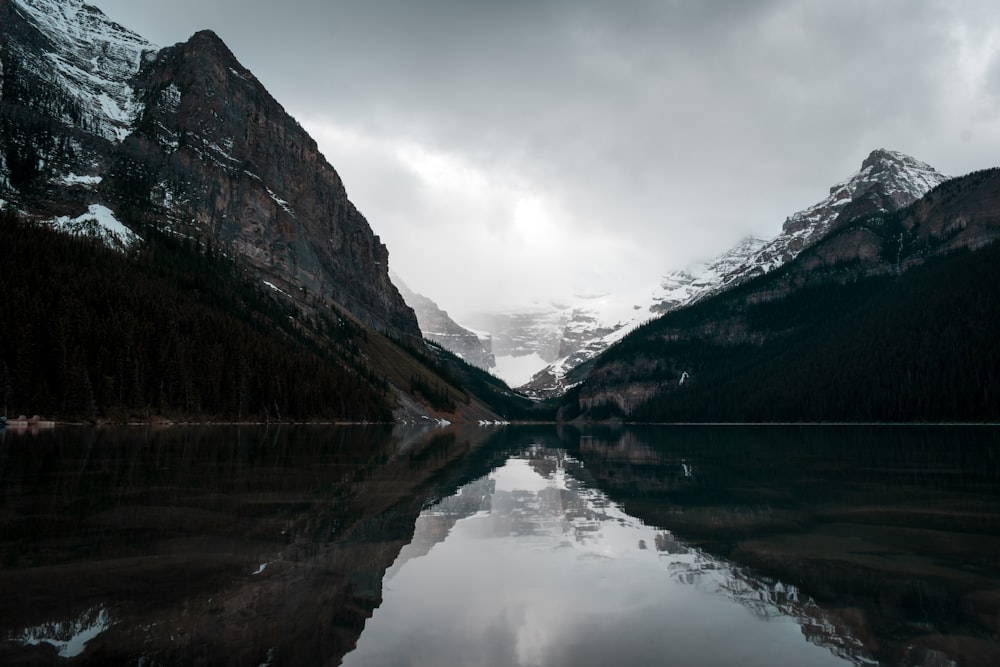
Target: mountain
[(684, 286), (595, 327), (183, 139), (436, 325), (887, 181), (891, 316), (526, 339), (210, 194)]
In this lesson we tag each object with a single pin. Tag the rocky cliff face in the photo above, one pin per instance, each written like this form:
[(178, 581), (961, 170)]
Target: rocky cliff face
[(186, 140), (437, 325)]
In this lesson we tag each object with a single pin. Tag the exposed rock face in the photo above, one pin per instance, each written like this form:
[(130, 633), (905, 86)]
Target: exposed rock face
[(184, 139), (963, 213), (437, 325), (230, 160)]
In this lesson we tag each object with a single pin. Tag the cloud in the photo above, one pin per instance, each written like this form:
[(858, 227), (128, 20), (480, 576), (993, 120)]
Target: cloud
[(524, 150), (473, 227)]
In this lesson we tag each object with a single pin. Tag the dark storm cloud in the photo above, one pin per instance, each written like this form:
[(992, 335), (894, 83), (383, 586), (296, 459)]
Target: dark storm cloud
[(658, 131)]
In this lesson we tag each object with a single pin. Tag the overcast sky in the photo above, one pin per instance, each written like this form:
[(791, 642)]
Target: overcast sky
[(521, 150)]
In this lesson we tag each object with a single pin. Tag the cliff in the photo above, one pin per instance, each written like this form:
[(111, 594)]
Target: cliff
[(186, 140)]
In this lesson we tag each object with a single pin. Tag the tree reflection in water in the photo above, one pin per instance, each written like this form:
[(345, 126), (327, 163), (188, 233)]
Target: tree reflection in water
[(521, 545), (531, 566)]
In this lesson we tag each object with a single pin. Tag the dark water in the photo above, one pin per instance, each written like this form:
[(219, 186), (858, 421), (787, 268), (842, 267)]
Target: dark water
[(514, 546)]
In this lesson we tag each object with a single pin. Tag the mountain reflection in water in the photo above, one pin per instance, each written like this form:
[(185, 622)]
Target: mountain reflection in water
[(513, 546), (529, 566)]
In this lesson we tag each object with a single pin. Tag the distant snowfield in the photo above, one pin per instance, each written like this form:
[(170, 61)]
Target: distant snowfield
[(515, 371)]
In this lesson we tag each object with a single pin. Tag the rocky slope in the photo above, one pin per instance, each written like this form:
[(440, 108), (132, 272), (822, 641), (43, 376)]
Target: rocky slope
[(437, 325), (887, 181), (187, 140)]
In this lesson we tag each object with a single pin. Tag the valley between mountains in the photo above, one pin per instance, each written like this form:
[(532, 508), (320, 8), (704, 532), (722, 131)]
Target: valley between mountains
[(177, 248)]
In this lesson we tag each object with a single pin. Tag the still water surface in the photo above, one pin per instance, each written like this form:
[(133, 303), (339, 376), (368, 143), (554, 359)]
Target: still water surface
[(529, 566), (514, 546)]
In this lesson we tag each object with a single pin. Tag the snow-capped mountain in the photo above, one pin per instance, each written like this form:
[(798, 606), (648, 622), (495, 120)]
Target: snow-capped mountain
[(887, 181), (88, 57), (105, 132), (529, 338)]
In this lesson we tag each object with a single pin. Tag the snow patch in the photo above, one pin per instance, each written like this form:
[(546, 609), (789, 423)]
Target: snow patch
[(277, 289), (99, 221), (170, 98), (279, 201), (270, 193), (87, 181), (69, 637)]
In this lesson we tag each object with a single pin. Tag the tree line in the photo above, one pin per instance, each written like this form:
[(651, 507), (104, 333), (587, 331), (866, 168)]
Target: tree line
[(171, 331), (916, 347)]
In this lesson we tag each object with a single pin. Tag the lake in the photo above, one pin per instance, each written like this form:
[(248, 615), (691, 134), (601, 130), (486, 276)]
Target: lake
[(365, 545)]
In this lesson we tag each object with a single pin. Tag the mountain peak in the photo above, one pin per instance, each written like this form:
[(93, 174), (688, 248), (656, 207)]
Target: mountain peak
[(887, 181), (885, 158), (902, 171), (208, 40)]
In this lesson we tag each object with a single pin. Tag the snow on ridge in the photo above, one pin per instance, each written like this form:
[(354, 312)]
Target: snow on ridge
[(276, 288), (93, 61), (904, 178), (279, 201), (74, 179)]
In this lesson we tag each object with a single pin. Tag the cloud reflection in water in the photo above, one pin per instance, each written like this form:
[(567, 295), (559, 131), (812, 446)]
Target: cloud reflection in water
[(530, 566)]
